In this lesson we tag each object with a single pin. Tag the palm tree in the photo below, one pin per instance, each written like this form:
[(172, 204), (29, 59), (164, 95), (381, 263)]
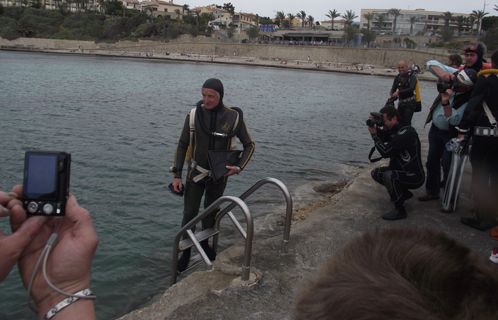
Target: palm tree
[(412, 20), (178, 13), (479, 14), (302, 15), (349, 16), (471, 21), (279, 18), (461, 21), (185, 8), (395, 12), (291, 18), (311, 21), (369, 17), (381, 19), (332, 14), (447, 17)]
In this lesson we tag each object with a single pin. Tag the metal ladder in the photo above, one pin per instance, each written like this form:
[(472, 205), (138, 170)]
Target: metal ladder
[(195, 239)]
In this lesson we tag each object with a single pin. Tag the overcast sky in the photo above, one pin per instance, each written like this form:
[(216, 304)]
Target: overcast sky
[(318, 8)]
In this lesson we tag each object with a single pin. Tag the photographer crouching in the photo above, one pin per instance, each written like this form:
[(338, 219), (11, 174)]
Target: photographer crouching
[(398, 141)]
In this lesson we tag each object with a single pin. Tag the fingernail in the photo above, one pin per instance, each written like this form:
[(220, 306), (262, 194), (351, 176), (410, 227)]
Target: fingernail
[(73, 200), (5, 211), (13, 195)]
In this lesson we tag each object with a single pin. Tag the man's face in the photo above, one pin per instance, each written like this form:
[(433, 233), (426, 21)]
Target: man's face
[(388, 124), (470, 58), (402, 68), (210, 98)]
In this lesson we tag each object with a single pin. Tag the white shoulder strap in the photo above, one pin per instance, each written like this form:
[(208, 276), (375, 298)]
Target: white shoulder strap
[(491, 119), (233, 144)]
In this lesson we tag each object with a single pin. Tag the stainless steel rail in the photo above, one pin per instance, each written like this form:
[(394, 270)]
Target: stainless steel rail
[(246, 267), (288, 212)]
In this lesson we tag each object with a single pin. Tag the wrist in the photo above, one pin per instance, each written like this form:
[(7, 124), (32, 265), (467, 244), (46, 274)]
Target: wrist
[(81, 309), (447, 103), (45, 304)]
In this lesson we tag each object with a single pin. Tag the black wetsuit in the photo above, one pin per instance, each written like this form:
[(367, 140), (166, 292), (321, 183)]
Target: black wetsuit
[(405, 171), (407, 100), (221, 120)]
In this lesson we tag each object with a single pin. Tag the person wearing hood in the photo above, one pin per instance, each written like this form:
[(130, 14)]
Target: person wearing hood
[(213, 124), (479, 122), (398, 141)]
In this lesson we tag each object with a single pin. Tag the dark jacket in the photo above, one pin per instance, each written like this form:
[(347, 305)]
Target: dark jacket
[(405, 84), (402, 145), (221, 120), (474, 115)]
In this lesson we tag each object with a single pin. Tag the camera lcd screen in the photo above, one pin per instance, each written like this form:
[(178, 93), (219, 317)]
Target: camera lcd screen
[(41, 176)]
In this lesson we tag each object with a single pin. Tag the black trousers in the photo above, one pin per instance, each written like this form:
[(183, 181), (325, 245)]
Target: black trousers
[(192, 201), (406, 110), (484, 160), (397, 182)]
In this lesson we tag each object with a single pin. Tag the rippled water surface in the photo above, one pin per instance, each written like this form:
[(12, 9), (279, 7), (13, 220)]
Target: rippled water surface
[(121, 119)]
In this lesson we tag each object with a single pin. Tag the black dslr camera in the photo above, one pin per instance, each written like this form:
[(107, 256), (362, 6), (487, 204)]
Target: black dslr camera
[(378, 119), (443, 86), (46, 182)]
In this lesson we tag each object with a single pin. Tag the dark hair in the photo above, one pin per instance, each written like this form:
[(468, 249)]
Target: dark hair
[(390, 112), (455, 59), (401, 274)]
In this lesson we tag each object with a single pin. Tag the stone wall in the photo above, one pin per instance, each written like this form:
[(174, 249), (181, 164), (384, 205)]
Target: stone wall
[(378, 56)]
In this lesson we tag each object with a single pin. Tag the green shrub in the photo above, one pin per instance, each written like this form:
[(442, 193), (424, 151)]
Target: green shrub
[(9, 33)]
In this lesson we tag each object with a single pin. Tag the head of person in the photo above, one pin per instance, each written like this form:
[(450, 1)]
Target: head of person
[(494, 60), (474, 53), (455, 60), (401, 274), (466, 78), (391, 116), (402, 67), (212, 93)]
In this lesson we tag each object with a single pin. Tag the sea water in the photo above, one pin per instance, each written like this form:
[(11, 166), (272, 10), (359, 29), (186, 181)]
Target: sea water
[(121, 118)]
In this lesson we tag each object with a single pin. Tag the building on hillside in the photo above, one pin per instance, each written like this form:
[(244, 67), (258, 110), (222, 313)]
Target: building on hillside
[(221, 16), (132, 4), (244, 20), (426, 22), (338, 24), (53, 4), (163, 8)]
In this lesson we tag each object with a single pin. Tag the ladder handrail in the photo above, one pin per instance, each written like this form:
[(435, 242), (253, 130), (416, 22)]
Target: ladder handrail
[(246, 267), (245, 195)]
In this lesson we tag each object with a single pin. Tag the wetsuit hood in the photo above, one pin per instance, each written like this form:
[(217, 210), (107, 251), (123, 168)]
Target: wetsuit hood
[(217, 86)]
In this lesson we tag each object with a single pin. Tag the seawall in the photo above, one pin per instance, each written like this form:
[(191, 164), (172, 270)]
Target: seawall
[(326, 54)]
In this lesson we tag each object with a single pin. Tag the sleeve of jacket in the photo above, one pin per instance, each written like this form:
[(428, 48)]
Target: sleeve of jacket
[(400, 141), (182, 146), (395, 85), (247, 143)]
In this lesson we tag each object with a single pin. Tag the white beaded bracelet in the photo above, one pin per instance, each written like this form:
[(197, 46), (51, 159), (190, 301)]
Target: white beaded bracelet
[(64, 303)]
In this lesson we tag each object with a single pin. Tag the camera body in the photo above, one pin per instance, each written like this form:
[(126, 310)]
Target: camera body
[(378, 119), (443, 86), (46, 182)]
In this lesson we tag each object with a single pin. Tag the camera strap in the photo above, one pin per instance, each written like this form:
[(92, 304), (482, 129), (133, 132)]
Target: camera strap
[(370, 156)]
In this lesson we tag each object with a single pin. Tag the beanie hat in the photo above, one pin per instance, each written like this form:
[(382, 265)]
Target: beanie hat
[(216, 85)]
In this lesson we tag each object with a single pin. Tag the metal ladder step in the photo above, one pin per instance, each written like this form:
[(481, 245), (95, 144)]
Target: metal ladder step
[(194, 262), (200, 236)]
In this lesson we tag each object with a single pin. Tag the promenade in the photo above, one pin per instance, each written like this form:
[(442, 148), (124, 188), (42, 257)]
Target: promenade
[(276, 277)]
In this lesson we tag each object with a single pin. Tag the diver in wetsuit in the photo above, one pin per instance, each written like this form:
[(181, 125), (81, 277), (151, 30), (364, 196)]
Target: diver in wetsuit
[(399, 142), (213, 120)]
